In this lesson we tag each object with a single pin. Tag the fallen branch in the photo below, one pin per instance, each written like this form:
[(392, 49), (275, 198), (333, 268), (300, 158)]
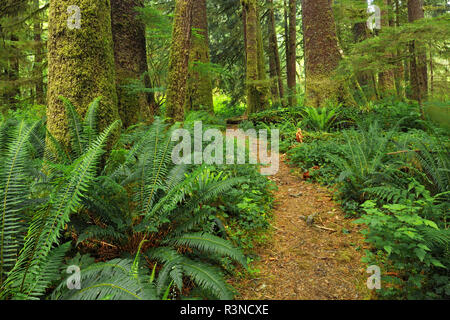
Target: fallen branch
[(401, 152), (324, 228)]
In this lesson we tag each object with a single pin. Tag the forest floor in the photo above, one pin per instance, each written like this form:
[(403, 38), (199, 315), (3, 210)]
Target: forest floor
[(313, 252)]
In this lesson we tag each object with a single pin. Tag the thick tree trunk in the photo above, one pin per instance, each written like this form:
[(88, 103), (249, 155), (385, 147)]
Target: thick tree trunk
[(386, 79), (199, 87), (256, 82), (322, 56), (37, 68), (179, 60), (81, 64), (130, 56), (275, 65), (418, 62)]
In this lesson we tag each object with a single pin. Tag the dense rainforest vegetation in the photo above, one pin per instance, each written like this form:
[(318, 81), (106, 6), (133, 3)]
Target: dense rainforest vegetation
[(92, 93)]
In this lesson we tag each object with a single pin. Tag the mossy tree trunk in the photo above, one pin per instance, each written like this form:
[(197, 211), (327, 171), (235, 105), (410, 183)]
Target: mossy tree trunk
[(37, 67), (366, 79), (81, 64), (418, 61), (398, 71), (13, 74), (199, 86), (291, 57), (256, 82), (130, 55), (179, 60), (322, 56), (386, 79), (274, 57)]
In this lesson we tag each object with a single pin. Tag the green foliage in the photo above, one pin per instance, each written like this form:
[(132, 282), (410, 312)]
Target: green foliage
[(226, 108), (320, 119), (315, 156), (169, 204), (414, 249), (29, 263), (246, 208)]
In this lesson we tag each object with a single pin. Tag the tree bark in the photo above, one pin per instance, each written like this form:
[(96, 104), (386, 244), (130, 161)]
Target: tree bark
[(322, 56), (418, 61), (275, 65), (199, 88), (81, 65), (366, 79), (179, 60), (256, 83), (292, 53), (37, 68), (130, 56), (386, 79), (398, 72)]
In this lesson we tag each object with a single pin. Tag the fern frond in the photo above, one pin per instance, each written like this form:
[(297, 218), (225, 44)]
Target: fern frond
[(210, 244), (14, 191), (47, 226)]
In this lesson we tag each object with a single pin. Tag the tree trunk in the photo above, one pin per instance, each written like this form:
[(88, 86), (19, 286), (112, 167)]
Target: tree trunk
[(275, 55), (286, 43), (398, 72), (322, 56), (37, 68), (366, 79), (179, 60), (199, 87), (256, 83), (386, 79), (244, 23), (292, 53), (418, 62), (130, 56), (13, 74), (81, 64)]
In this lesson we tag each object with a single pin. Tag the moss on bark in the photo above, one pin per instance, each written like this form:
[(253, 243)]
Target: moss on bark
[(81, 64), (179, 60), (322, 56), (292, 53), (130, 57), (418, 61), (257, 84), (199, 86), (274, 58), (386, 79)]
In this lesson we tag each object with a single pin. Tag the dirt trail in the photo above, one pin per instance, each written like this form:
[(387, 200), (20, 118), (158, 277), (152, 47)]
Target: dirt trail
[(314, 260)]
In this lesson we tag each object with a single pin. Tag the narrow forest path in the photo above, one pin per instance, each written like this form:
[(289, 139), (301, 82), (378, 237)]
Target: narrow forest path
[(313, 252)]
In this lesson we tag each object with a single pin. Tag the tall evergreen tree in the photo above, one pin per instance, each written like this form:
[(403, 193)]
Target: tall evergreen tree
[(322, 55), (179, 60), (130, 55), (418, 60), (366, 78), (38, 56), (274, 57), (256, 82), (386, 79), (199, 86), (291, 55), (81, 63)]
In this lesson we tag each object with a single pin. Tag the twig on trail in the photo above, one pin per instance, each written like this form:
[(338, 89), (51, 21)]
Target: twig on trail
[(324, 228)]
